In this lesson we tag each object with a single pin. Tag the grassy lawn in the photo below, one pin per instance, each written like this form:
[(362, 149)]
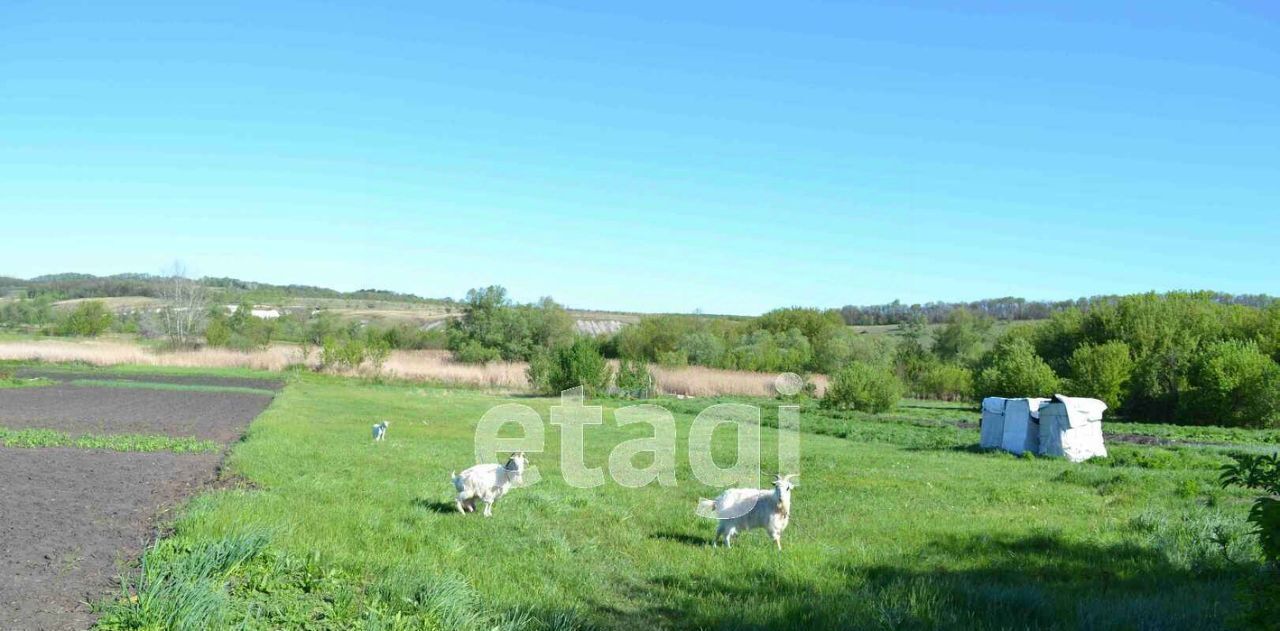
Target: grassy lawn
[(897, 523)]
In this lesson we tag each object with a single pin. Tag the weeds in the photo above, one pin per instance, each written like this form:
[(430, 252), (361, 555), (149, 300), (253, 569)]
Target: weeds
[(35, 438)]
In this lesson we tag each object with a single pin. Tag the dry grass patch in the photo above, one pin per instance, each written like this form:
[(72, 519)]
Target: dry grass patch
[(436, 366)]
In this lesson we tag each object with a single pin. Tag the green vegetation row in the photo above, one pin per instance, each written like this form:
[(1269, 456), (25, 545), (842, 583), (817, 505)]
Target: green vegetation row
[(31, 438), (153, 385)]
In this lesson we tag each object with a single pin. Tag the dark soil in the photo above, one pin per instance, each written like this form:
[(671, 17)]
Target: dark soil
[(219, 416), (70, 520), (1138, 439), (185, 380)]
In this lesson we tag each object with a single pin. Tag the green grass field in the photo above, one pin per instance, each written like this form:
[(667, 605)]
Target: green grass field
[(897, 523)]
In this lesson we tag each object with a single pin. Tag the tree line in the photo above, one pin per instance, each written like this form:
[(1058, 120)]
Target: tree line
[(1005, 309)]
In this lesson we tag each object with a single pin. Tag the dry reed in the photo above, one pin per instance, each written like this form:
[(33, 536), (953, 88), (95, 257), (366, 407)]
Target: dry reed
[(437, 366)]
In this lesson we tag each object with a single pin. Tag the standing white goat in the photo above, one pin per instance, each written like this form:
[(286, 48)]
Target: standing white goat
[(380, 430), (744, 509), (487, 483)]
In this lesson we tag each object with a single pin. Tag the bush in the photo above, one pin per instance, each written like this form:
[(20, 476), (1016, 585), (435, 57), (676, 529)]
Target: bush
[(240, 330), (1233, 383), (1012, 369), (863, 387), (703, 348), (1262, 591), (633, 378), (1101, 371), (673, 359), (90, 318), (577, 364), (348, 353), (472, 352), (948, 382)]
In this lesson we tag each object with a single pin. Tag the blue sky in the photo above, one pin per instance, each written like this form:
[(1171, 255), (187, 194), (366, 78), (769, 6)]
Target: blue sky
[(729, 157)]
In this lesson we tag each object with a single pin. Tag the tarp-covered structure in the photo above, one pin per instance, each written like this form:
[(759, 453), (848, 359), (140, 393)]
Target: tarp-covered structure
[(1071, 427), (1011, 424)]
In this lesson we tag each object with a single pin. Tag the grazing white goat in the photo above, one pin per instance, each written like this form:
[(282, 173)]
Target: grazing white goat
[(487, 483), (380, 430), (744, 509)]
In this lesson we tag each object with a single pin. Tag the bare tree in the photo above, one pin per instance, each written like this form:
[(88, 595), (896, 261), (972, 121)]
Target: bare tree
[(185, 307)]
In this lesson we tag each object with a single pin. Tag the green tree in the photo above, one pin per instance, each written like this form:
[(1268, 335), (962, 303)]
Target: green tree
[(1233, 383), (90, 318), (1012, 369), (863, 387), (948, 382), (577, 364), (1101, 371), (490, 321), (960, 340)]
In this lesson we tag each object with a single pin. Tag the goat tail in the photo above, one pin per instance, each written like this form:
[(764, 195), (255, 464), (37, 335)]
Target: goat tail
[(706, 507)]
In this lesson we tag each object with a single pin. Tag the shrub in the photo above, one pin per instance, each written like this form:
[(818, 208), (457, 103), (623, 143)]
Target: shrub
[(1013, 369), (90, 318), (1262, 591), (1101, 371), (569, 366), (703, 348), (634, 379), (348, 353), (1234, 383), (377, 352), (948, 382), (472, 352), (763, 351), (217, 333), (863, 387), (673, 359)]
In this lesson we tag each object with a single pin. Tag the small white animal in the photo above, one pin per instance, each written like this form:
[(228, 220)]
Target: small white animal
[(380, 430), (487, 483), (744, 509)]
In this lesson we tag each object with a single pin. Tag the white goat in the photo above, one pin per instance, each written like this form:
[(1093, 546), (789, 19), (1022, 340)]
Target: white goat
[(744, 509), (487, 483), (380, 430)]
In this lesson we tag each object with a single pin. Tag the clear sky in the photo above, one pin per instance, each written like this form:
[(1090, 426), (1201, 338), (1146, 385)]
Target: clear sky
[(649, 156)]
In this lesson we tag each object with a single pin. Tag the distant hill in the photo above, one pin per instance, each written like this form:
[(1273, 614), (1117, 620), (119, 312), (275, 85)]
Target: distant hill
[(71, 286)]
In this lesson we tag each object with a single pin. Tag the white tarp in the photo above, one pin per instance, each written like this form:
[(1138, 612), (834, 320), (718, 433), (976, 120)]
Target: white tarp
[(1021, 430), (992, 423), (1072, 427)]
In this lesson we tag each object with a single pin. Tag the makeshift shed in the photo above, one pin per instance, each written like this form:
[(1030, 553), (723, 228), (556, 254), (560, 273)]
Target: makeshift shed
[(1021, 425), (1072, 427), (992, 423)]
